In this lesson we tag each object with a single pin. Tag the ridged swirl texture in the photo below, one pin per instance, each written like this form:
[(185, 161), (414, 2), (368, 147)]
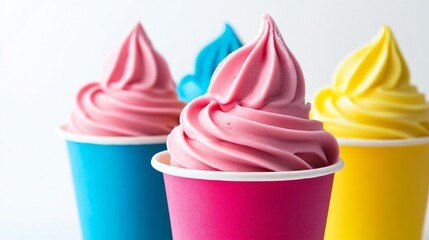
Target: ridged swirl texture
[(372, 97), (137, 96), (254, 117), (192, 86)]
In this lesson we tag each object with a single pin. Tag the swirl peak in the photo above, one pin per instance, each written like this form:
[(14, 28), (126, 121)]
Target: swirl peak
[(378, 64), (137, 65), (264, 74)]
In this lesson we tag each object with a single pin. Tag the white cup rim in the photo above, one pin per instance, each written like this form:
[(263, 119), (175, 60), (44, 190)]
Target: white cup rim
[(107, 140), (382, 142), (165, 168)]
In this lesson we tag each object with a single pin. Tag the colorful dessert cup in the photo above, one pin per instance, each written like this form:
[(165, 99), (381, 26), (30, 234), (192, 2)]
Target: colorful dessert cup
[(382, 191), (115, 128), (119, 195), (382, 123), (246, 205), (246, 162)]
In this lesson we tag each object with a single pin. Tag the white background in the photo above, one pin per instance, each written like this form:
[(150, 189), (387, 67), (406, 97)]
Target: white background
[(48, 49)]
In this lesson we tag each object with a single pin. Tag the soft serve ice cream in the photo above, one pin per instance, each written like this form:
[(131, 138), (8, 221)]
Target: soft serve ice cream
[(195, 85), (372, 97), (254, 116), (137, 96)]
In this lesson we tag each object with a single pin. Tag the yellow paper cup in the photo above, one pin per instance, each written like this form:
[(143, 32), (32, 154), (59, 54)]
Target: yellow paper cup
[(382, 191)]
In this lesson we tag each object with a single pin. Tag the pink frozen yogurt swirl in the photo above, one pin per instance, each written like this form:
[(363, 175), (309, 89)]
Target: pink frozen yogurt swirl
[(254, 116), (136, 98)]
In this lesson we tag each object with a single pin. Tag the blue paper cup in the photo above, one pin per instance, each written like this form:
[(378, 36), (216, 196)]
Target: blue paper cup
[(119, 195)]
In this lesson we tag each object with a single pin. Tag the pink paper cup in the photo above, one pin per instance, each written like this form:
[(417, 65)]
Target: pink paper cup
[(243, 205)]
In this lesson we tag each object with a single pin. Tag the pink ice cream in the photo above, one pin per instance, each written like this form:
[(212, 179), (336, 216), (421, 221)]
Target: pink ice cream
[(137, 96), (254, 116)]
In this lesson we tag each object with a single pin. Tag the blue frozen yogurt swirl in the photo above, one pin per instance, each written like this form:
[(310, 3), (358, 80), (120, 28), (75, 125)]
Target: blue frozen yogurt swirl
[(193, 86)]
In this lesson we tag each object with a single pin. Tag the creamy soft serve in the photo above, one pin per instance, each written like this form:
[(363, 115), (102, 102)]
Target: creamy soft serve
[(254, 116), (372, 97), (137, 96)]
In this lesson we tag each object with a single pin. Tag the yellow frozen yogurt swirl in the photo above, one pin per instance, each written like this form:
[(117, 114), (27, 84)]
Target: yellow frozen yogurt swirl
[(372, 97)]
